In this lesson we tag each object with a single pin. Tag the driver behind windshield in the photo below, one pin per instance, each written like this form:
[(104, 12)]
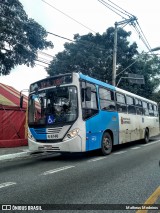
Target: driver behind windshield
[(59, 110)]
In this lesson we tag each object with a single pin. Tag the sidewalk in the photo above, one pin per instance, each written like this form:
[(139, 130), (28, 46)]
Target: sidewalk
[(14, 152), (23, 151), (18, 152)]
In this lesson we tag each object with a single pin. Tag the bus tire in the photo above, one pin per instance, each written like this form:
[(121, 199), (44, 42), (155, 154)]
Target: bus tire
[(146, 136), (106, 144)]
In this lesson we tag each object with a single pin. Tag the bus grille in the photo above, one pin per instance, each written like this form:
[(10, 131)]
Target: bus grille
[(48, 130), (51, 149), (40, 131), (51, 135), (50, 141), (54, 130)]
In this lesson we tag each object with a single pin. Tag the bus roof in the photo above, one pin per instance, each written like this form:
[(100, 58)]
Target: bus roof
[(103, 84), (134, 95), (95, 81)]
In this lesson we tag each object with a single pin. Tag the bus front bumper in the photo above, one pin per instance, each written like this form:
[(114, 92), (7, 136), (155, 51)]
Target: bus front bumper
[(71, 145)]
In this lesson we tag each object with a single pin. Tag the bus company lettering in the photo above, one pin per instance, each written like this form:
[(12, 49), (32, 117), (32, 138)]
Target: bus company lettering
[(125, 120)]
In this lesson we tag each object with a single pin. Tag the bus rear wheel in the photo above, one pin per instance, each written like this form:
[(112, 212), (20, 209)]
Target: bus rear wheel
[(146, 136), (107, 144)]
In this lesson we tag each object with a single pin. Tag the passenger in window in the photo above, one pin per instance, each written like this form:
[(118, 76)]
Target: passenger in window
[(112, 107)]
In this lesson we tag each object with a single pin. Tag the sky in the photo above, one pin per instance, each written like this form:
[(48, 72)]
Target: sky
[(92, 16)]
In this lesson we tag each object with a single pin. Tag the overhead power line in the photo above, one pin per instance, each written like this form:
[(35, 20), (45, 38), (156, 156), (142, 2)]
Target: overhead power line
[(69, 17), (42, 61), (60, 36), (115, 10), (84, 43), (40, 65), (143, 35), (121, 12), (140, 36), (129, 14), (45, 54)]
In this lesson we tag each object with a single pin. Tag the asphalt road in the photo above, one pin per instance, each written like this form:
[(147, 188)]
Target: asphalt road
[(128, 176)]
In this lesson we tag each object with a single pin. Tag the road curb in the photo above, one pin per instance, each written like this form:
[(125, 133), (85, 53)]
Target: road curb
[(15, 155)]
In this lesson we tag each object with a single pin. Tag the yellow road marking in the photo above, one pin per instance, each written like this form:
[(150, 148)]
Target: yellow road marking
[(151, 200)]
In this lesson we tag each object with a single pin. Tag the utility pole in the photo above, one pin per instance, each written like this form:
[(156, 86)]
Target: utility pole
[(114, 55), (126, 21)]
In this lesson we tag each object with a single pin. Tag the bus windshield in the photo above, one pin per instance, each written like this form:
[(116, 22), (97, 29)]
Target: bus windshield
[(52, 106)]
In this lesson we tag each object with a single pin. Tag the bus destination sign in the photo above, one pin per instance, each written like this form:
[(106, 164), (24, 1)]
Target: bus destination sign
[(51, 82)]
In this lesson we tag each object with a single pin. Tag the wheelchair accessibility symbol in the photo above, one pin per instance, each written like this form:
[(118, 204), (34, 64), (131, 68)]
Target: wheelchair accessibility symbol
[(50, 119)]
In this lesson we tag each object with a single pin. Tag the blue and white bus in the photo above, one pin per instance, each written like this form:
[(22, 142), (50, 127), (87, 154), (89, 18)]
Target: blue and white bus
[(77, 113)]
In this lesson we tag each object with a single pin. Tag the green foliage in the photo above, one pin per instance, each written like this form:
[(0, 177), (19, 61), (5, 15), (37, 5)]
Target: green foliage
[(148, 66), (20, 37), (93, 55), (156, 96)]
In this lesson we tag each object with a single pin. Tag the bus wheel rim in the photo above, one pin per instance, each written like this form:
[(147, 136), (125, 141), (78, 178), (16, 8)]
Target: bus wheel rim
[(106, 143)]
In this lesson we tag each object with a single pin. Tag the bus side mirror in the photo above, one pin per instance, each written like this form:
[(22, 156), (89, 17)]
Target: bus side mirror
[(21, 101), (88, 93), (21, 97)]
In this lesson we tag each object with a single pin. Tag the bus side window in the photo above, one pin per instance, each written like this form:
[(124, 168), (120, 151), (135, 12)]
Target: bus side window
[(139, 109), (89, 106), (155, 110), (151, 113), (130, 105), (121, 103), (107, 99), (92, 102), (145, 108)]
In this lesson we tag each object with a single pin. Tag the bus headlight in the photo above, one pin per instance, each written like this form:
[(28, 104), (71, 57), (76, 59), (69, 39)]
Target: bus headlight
[(31, 136), (71, 134)]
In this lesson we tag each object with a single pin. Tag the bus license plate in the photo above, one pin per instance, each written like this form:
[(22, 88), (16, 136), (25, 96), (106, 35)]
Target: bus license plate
[(52, 136)]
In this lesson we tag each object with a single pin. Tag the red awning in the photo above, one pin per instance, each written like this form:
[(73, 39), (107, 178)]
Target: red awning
[(11, 97)]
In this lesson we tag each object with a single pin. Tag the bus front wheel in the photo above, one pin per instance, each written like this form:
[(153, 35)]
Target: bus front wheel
[(146, 136), (106, 146)]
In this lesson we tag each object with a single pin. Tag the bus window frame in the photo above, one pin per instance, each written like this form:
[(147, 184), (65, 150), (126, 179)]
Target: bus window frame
[(132, 105), (155, 115), (89, 111), (59, 123), (151, 111), (114, 101), (124, 104), (144, 109), (139, 108)]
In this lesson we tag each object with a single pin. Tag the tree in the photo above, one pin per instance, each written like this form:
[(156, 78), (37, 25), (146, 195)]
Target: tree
[(20, 37), (93, 55), (156, 97), (148, 66)]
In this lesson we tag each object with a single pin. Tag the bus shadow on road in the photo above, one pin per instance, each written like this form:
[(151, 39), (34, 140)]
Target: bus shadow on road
[(121, 147), (73, 157)]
